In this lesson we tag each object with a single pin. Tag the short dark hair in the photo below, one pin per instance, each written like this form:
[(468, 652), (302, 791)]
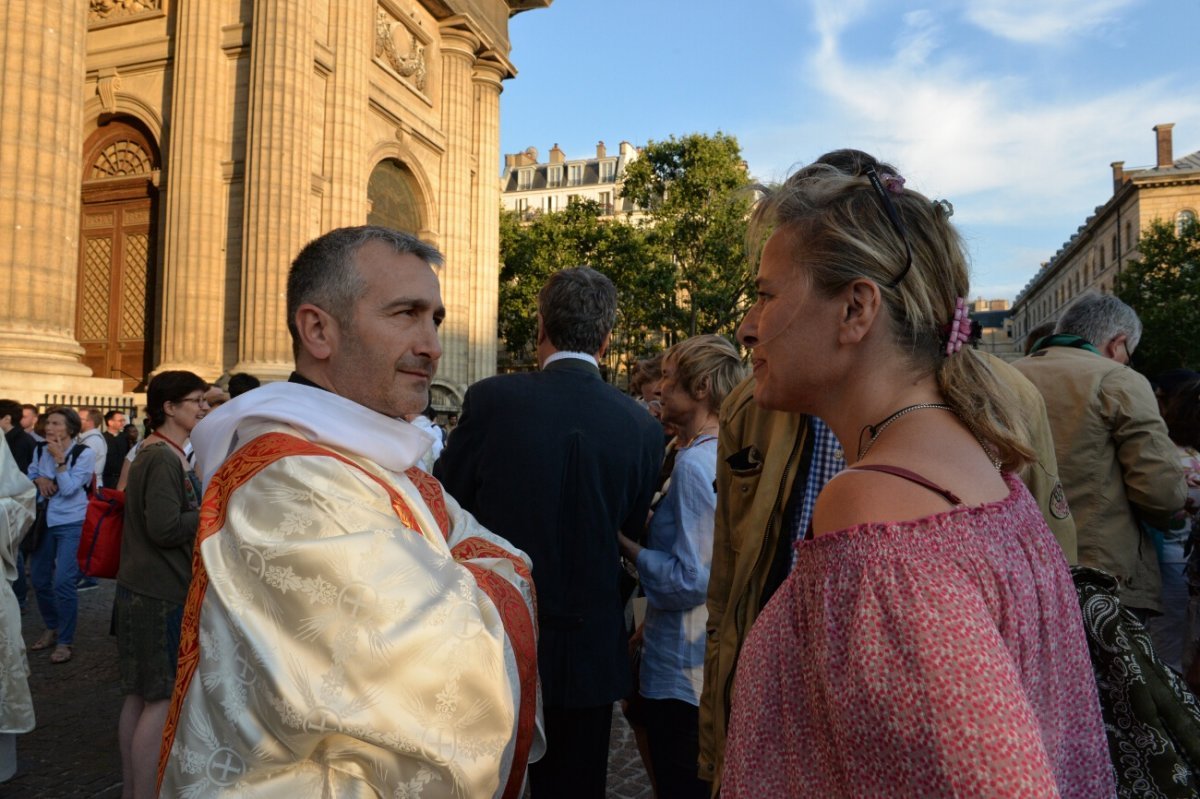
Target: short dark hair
[(29, 406), (578, 307), (1037, 334), (74, 425), (93, 415), (325, 274), (242, 382), (108, 417), (13, 410), (1182, 415), (171, 386)]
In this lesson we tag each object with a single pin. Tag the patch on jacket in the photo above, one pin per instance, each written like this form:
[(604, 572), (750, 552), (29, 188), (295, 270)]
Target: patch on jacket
[(1059, 508)]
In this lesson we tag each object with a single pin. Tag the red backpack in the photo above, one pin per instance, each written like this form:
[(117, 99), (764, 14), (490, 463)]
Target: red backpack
[(99, 553)]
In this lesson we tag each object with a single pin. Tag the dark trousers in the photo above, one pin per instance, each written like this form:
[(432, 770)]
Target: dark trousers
[(673, 731), (575, 765)]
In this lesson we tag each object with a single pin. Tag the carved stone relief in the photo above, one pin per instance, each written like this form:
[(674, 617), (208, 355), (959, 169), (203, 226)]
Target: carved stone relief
[(104, 10), (410, 65)]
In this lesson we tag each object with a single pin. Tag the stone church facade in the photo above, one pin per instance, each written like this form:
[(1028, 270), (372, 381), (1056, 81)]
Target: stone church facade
[(164, 160)]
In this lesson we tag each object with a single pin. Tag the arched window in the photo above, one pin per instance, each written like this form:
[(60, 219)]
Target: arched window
[(1184, 220), (393, 194)]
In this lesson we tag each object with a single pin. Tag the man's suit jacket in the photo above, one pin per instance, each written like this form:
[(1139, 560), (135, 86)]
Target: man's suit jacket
[(557, 461)]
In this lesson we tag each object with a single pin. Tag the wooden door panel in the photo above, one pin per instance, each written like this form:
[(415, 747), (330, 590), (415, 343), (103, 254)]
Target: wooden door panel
[(115, 271)]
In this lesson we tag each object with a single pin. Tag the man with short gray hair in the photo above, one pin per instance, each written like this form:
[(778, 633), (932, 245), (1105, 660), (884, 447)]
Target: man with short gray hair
[(349, 631), (1116, 461), (558, 461)]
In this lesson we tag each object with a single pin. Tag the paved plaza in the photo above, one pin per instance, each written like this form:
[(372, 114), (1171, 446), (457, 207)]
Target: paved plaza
[(73, 752)]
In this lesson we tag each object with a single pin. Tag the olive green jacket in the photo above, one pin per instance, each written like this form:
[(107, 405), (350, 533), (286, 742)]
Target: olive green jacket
[(1041, 476), (1116, 462), (751, 548)]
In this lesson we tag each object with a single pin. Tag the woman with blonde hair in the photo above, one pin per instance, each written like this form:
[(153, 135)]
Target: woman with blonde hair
[(928, 641), (697, 374)]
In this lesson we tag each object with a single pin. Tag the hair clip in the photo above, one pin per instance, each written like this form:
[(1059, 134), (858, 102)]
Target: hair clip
[(894, 183), (945, 206), (958, 331)]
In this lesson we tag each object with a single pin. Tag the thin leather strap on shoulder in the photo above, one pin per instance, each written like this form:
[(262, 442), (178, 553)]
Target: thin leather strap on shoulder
[(912, 477)]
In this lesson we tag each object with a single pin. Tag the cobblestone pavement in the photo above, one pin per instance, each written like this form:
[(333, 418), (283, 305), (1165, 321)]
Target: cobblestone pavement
[(73, 752)]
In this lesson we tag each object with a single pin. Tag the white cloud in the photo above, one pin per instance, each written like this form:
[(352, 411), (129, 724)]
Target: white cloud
[(1009, 156), (1043, 21)]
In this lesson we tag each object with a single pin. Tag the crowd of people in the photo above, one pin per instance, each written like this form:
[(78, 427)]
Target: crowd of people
[(873, 561)]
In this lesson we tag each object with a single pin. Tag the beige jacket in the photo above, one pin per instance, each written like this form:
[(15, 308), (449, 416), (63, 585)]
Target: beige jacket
[(748, 543), (1041, 476), (1116, 462)]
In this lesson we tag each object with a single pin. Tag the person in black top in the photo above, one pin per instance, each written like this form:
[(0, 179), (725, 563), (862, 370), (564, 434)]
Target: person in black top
[(20, 442)]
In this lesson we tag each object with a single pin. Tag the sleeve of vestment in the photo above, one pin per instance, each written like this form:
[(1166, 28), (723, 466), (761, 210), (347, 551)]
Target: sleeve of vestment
[(1154, 480), (677, 578), (344, 637), (168, 523)]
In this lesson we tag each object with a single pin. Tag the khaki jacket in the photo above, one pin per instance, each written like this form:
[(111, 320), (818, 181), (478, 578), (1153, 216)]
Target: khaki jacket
[(1041, 476), (1116, 462), (749, 540)]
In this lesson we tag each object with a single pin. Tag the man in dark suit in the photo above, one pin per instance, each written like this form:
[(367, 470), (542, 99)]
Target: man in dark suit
[(557, 461)]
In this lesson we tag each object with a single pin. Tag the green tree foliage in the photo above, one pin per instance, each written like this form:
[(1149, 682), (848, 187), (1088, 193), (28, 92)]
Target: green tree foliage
[(1164, 288), (695, 190), (531, 252)]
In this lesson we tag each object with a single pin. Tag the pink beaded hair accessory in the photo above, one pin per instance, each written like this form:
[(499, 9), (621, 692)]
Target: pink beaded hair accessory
[(958, 332), (893, 183)]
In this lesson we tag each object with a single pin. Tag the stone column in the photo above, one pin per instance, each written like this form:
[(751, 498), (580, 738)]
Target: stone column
[(193, 298), (276, 221), (41, 172), (486, 275), (351, 26), (458, 56)]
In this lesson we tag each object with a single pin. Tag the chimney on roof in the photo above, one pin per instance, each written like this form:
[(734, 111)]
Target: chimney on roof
[(509, 160), (1163, 139), (600, 150), (556, 155), (531, 157), (1118, 168)]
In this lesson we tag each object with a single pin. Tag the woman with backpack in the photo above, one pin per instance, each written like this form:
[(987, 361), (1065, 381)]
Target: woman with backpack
[(63, 472)]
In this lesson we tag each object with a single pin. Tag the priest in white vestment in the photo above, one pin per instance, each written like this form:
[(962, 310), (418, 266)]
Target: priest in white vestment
[(350, 631), (17, 510)]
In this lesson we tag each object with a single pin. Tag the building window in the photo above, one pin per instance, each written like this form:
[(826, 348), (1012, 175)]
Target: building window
[(576, 175), (1115, 250), (554, 176), (1129, 240), (550, 205), (394, 197), (524, 179), (606, 202), (1184, 220), (608, 171)]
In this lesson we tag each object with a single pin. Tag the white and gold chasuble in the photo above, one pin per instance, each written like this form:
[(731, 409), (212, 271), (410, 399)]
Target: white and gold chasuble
[(350, 632), (17, 509)]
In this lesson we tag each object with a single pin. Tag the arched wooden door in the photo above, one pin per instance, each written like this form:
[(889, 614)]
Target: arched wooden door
[(117, 249)]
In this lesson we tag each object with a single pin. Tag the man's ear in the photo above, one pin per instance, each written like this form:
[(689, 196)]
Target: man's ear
[(862, 302), (318, 332), (541, 330), (1115, 349), (604, 346)]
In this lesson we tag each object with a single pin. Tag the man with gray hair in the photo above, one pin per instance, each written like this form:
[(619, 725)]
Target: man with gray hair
[(1116, 462), (558, 461), (349, 629)]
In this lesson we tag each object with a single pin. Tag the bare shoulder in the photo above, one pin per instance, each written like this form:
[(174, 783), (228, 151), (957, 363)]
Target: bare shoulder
[(854, 498)]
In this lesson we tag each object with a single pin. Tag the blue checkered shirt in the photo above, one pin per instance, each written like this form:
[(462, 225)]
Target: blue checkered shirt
[(827, 460)]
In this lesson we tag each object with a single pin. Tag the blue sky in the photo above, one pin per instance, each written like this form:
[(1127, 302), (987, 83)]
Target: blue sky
[(1011, 109)]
